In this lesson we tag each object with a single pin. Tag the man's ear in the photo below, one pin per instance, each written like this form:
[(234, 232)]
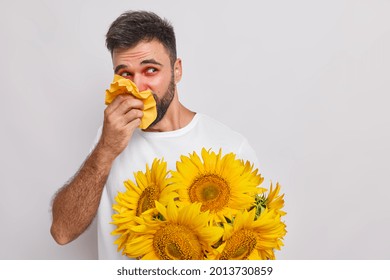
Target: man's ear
[(177, 70)]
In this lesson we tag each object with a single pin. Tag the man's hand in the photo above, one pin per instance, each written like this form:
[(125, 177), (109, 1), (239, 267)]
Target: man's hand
[(121, 118)]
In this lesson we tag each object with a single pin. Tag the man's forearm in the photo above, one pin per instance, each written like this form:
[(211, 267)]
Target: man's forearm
[(76, 203)]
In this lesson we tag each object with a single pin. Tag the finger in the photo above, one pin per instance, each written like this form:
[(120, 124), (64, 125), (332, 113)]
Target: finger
[(126, 101), (115, 104), (132, 115), (129, 104), (131, 126)]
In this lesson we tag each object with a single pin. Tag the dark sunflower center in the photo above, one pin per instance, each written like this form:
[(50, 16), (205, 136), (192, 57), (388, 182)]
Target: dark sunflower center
[(239, 246), (177, 242), (146, 199), (211, 190)]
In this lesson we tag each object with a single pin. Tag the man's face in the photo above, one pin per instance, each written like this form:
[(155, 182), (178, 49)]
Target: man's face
[(149, 67)]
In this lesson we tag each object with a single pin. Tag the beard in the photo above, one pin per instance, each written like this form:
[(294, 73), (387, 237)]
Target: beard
[(163, 103)]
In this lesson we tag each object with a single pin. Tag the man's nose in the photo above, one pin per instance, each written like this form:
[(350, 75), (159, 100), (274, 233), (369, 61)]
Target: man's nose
[(140, 82)]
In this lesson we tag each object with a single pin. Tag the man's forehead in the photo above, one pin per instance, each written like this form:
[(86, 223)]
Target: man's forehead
[(141, 51)]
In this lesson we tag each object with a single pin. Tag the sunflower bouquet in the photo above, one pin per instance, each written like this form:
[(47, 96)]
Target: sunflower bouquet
[(211, 207)]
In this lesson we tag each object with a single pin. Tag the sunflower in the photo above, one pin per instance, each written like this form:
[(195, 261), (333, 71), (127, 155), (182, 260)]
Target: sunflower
[(223, 184), (178, 234), (249, 239), (272, 201), (275, 201), (150, 186)]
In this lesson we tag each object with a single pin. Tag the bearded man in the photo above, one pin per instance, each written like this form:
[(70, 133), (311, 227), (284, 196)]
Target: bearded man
[(143, 49)]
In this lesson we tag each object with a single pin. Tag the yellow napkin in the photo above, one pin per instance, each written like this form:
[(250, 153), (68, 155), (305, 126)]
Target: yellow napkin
[(122, 85)]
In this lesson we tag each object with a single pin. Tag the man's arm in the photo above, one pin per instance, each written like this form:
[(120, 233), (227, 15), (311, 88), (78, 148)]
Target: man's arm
[(76, 204)]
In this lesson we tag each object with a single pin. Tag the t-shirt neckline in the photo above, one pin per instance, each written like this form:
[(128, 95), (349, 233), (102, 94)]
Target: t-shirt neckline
[(173, 133)]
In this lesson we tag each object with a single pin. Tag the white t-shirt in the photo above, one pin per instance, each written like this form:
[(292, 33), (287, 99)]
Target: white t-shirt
[(144, 147)]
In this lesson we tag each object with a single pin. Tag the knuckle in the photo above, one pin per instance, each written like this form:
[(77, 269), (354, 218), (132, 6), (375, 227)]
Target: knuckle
[(136, 114), (108, 117), (119, 97), (128, 103)]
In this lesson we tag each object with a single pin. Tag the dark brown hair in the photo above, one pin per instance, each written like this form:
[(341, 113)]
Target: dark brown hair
[(132, 27)]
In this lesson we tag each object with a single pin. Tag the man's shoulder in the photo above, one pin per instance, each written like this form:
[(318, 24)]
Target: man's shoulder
[(212, 122), (218, 128), (218, 135)]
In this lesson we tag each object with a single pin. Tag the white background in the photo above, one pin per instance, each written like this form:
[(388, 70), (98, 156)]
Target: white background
[(307, 82)]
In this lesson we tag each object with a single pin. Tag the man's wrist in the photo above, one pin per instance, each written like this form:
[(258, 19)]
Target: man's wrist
[(102, 156)]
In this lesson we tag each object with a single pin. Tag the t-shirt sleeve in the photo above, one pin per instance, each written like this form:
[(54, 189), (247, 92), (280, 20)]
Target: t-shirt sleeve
[(246, 152)]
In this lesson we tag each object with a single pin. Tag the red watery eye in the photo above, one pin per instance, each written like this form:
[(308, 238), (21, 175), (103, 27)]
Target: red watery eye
[(151, 70), (125, 74)]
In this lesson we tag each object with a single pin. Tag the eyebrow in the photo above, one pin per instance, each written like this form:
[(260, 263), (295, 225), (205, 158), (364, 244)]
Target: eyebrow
[(150, 61), (143, 62), (119, 67)]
